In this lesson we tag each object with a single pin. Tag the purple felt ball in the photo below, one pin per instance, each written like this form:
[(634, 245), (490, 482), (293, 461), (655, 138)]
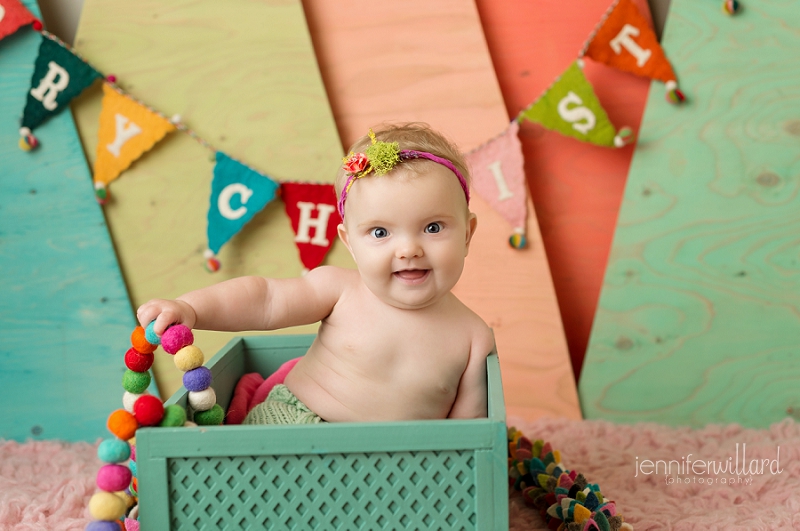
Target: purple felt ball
[(175, 338), (197, 379), (102, 525), (113, 478)]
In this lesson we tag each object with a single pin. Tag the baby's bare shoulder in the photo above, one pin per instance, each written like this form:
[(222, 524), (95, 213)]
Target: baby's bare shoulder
[(482, 337)]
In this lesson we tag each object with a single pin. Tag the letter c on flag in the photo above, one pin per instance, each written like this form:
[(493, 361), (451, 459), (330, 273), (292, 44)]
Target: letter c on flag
[(224, 201)]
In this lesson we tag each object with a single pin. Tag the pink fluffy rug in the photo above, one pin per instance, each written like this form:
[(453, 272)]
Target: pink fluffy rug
[(47, 485)]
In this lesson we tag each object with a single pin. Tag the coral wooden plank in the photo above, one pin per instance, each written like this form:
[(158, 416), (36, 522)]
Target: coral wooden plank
[(63, 307), (243, 75), (698, 318), (429, 62), (576, 187)]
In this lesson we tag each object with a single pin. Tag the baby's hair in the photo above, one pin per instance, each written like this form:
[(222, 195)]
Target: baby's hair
[(415, 136)]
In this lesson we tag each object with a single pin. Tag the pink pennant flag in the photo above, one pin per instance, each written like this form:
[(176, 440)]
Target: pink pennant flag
[(498, 176)]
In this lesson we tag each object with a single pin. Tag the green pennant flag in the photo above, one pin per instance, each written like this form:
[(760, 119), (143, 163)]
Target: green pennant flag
[(58, 76), (570, 107)]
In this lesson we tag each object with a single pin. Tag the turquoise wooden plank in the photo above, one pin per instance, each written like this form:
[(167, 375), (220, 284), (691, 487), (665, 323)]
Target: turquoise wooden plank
[(698, 319), (65, 317)]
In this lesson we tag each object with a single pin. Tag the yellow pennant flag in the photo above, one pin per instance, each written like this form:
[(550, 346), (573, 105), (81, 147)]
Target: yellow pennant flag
[(127, 130)]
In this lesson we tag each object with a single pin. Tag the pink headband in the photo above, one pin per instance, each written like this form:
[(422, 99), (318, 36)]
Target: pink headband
[(360, 166)]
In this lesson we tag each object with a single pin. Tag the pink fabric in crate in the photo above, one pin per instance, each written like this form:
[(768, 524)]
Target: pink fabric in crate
[(252, 389)]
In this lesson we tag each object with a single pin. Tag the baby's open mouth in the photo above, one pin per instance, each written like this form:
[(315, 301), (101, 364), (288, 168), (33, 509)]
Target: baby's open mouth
[(411, 275)]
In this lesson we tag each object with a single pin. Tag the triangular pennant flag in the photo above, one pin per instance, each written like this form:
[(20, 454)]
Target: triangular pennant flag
[(498, 175), (312, 210), (625, 40), (237, 194), (127, 129), (58, 77), (570, 107), (13, 16)]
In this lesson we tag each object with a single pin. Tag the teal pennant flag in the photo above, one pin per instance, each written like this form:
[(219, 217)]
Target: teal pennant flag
[(237, 194), (58, 76)]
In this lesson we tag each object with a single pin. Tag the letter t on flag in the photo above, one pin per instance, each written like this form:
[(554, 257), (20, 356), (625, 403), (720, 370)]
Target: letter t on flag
[(237, 194), (312, 210)]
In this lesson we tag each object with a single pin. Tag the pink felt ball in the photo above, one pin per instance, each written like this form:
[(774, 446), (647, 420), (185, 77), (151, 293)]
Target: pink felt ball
[(113, 478), (175, 338), (148, 410)]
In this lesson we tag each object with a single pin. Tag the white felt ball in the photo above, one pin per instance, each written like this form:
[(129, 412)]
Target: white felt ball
[(203, 400), (189, 424), (128, 399)]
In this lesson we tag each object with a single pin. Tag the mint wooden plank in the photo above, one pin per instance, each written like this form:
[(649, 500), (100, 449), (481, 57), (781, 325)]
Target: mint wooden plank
[(64, 312), (698, 317)]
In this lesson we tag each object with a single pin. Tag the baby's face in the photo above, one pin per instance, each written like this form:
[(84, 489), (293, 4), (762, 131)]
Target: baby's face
[(408, 233)]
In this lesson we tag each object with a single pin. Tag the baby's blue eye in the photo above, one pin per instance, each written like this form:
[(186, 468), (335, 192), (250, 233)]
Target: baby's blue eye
[(433, 228), (379, 232)]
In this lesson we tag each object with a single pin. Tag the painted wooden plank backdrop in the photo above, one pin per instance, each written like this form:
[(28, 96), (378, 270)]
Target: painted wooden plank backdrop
[(576, 187), (64, 312), (698, 317), (429, 62), (243, 75)]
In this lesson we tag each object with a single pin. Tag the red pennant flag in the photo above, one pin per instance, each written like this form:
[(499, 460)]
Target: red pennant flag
[(626, 41), (13, 16), (312, 211)]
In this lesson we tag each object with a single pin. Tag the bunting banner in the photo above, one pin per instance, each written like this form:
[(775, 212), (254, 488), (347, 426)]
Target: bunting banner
[(13, 16), (498, 176), (127, 130), (625, 40), (58, 76), (570, 107), (237, 194), (312, 211)]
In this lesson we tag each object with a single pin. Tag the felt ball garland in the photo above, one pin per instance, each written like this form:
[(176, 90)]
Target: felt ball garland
[(117, 482)]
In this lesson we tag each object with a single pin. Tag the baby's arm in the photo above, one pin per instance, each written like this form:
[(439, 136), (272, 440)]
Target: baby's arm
[(471, 399), (251, 303)]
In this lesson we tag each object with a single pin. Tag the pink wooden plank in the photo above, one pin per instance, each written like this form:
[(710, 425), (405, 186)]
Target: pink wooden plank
[(576, 188), (427, 61)]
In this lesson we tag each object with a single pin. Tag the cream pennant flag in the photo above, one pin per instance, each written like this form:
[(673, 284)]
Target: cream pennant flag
[(127, 130), (498, 175)]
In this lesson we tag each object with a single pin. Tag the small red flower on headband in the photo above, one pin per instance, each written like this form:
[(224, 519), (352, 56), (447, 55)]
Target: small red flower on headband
[(355, 163)]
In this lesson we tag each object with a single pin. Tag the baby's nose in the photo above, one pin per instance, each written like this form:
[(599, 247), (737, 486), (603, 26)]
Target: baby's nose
[(409, 248)]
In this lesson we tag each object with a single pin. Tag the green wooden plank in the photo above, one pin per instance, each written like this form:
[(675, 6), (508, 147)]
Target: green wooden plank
[(698, 317), (64, 312)]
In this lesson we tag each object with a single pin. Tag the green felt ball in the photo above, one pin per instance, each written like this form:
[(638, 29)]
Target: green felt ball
[(135, 382), (174, 415), (212, 417)]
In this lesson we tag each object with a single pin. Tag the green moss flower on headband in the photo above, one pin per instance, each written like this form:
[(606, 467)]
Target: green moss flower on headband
[(383, 156)]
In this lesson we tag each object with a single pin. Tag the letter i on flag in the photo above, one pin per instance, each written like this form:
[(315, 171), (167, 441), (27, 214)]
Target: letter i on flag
[(58, 76), (570, 107), (625, 40), (312, 211), (127, 130), (237, 194), (498, 175), (13, 16)]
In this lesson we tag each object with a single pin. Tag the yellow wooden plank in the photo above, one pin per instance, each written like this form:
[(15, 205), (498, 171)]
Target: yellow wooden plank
[(243, 75)]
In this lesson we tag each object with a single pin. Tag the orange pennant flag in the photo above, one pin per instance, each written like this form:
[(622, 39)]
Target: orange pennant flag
[(127, 130), (626, 41)]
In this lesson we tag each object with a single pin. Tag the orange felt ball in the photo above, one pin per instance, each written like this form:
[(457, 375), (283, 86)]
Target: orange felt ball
[(122, 424), (140, 342)]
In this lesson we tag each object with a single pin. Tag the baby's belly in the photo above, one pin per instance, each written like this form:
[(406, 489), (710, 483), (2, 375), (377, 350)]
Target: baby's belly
[(338, 394)]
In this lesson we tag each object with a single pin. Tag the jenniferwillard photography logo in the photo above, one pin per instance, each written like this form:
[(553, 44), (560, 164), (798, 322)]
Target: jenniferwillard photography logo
[(735, 470)]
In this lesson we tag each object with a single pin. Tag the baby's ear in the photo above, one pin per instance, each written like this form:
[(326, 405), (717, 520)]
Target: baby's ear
[(472, 224), (342, 230)]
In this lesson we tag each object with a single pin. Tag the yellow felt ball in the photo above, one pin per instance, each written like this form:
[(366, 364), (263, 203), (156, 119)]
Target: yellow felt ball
[(126, 498), (188, 358), (106, 506)]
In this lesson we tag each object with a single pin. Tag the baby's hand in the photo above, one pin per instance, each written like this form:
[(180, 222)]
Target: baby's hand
[(165, 313)]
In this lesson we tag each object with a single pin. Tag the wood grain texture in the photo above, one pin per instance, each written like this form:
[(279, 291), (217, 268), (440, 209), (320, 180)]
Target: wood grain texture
[(64, 312), (698, 318), (428, 61), (243, 75), (576, 187)]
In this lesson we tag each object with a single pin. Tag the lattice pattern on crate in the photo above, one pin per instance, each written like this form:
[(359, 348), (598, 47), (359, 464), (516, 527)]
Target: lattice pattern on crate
[(398, 490)]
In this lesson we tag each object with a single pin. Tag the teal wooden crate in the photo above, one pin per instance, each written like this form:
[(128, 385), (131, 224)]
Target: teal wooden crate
[(432, 474)]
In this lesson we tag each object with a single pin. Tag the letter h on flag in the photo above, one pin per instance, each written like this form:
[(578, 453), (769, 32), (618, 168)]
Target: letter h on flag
[(312, 211)]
